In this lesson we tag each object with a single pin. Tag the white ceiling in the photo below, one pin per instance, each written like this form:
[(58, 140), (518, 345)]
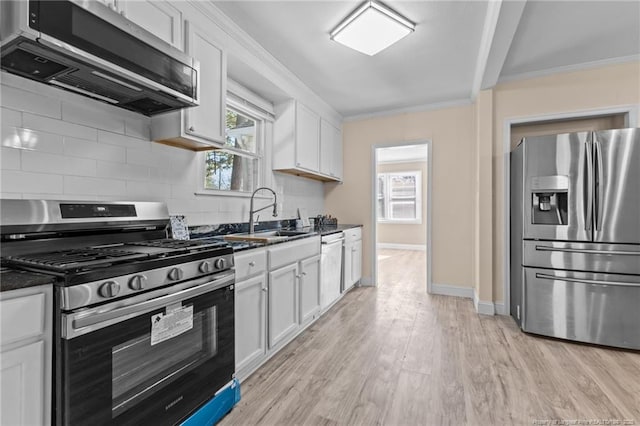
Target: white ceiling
[(458, 47)]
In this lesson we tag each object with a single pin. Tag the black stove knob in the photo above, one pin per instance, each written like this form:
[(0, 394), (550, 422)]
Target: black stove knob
[(137, 282), (205, 267), (109, 289), (220, 263), (176, 274)]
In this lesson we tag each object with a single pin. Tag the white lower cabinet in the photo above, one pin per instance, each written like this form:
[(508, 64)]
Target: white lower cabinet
[(250, 310), (25, 356), (309, 289), (283, 304), (251, 325), (277, 296), (352, 272)]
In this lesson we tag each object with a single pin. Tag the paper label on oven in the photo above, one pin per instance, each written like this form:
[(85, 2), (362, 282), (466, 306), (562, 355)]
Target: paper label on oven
[(171, 324)]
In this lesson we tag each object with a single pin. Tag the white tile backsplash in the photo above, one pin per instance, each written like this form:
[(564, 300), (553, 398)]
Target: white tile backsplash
[(20, 181), (59, 127), (10, 158), (34, 161), (94, 151), (93, 116), (114, 170), (21, 100), (94, 186), (10, 117), (89, 149)]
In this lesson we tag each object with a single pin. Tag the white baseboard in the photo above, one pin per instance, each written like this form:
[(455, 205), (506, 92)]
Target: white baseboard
[(366, 282), (417, 247), (451, 290), (483, 307), (500, 308)]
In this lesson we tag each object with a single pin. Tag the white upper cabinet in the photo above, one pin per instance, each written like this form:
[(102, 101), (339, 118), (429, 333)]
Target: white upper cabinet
[(297, 143), (207, 121), (202, 127), (330, 150), (158, 17), (307, 138)]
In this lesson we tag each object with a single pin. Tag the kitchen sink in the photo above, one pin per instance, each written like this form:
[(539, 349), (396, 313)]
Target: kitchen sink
[(266, 237)]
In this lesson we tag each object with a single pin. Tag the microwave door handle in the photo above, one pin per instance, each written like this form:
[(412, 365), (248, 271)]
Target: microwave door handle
[(589, 190), (585, 281), (94, 321)]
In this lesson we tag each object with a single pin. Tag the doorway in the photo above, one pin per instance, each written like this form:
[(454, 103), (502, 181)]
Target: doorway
[(402, 215)]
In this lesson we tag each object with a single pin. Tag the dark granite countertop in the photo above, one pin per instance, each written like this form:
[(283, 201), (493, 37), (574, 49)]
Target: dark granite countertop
[(218, 233), (338, 228), (13, 279)]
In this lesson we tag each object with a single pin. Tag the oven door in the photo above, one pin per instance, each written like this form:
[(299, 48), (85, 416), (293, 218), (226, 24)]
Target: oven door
[(147, 359)]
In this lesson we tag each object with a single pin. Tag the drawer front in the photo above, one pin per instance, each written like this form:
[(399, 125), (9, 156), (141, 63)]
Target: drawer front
[(22, 317), (594, 257), (250, 262), (287, 253), (353, 234), (587, 307)]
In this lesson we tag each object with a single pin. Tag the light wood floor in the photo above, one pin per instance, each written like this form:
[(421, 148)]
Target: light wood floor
[(397, 356)]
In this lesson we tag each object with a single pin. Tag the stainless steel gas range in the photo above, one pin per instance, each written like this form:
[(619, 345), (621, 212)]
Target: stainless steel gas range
[(144, 325)]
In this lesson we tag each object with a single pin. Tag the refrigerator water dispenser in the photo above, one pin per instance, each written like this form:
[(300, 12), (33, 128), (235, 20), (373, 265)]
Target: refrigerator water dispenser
[(549, 200)]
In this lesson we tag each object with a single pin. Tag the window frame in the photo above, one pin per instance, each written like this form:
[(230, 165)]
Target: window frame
[(386, 196), (245, 108)]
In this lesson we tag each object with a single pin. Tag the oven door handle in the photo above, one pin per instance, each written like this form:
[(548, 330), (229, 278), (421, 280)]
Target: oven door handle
[(86, 321)]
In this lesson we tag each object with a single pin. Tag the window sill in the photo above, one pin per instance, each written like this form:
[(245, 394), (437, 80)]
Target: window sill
[(399, 222), (237, 194)]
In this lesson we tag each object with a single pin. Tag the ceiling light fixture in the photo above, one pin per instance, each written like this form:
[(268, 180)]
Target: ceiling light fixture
[(372, 28)]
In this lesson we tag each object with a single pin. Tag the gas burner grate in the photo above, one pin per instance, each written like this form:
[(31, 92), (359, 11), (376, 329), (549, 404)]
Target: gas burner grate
[(76, 258), (180, 244)]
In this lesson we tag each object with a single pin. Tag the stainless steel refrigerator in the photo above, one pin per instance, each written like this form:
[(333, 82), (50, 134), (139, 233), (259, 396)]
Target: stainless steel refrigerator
[(575, 236)]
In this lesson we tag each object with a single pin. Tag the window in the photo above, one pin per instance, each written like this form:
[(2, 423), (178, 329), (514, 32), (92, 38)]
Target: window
[(237, 166), (399, 197)]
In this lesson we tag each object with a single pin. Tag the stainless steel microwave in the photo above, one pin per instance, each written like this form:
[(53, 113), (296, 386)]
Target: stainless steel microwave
[(87, 48)]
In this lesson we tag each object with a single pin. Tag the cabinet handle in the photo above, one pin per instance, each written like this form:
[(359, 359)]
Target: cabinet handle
[(252, 263), (192, 129), (265, 289), (122, 12), (304, 273)]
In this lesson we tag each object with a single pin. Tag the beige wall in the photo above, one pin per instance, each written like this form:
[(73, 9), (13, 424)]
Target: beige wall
[(398, 233), (582, 91), (452, 134), (468, 165)]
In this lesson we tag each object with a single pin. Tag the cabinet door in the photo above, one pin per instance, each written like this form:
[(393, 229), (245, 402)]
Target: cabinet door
[(250, 321), (347, 280), (309, 289), (21, 385), (307, 138), (356, 262), (330, 150), (207, 120), (336, 163), (159, 18), (283, 304)]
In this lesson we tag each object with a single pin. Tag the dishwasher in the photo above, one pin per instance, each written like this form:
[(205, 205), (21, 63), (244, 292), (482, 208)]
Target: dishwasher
[(331, 264)]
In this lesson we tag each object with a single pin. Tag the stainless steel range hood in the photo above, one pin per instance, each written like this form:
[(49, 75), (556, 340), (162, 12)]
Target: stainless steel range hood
[(87, 48)]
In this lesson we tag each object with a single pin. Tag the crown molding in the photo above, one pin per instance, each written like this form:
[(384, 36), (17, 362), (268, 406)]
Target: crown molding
[(569, 68), (410, 109), (280, 75)]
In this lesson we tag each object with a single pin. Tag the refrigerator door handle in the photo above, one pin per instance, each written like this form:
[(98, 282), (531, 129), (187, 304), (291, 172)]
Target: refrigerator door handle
[(589, 251), (599, 184), (589, 204), (584, 281)]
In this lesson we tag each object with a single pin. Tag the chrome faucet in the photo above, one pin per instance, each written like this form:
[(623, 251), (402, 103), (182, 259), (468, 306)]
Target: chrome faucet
[(252, 211)]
